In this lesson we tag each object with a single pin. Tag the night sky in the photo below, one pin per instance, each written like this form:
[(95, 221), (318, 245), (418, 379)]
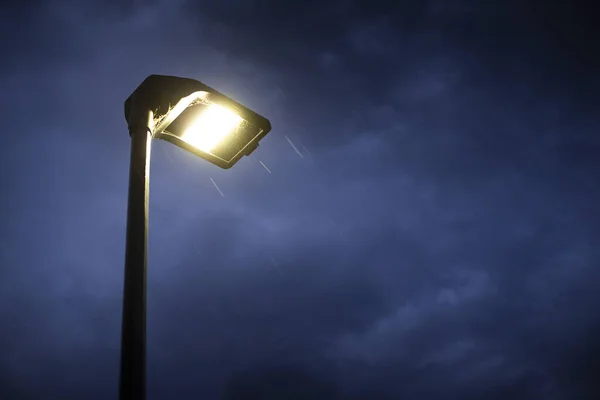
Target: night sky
[(425, 225)]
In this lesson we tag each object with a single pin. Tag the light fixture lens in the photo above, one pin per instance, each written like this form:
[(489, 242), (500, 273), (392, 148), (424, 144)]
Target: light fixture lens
[(211, 127)]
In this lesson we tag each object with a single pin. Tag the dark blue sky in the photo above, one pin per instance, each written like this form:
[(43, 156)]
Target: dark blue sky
[(437, 237)]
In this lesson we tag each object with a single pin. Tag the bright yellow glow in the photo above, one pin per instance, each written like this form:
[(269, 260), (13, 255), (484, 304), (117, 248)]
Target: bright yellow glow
[(211, 127)]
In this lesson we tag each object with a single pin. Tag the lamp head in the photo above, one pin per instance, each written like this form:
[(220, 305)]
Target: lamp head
[(197, 118)]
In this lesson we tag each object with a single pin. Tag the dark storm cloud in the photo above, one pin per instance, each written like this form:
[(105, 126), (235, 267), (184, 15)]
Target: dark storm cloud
[(421, 67), (436, 238), (483, 111)]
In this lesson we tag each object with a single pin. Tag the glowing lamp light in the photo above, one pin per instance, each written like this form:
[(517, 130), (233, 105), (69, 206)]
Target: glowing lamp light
[(198, 119), (211, 127)]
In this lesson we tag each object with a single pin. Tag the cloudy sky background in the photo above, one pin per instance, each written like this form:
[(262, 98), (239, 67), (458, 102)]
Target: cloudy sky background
[(436, 237)]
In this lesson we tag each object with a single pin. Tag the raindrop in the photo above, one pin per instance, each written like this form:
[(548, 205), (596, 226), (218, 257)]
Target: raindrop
[(216, 187)]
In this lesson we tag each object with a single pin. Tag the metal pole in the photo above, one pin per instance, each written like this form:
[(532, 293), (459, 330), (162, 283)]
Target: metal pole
[(132, 384)]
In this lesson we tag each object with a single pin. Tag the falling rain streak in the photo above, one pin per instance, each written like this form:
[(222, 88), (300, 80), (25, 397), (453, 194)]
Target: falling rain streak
[(216, 187), (306, 151), (294, 147), (276, 266), (164, 149), (265, 167)]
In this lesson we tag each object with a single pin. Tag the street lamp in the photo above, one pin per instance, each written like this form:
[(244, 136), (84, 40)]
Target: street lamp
[(204, 122)]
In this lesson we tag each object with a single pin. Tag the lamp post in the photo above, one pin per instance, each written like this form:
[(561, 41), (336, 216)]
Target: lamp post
[(201, 120)]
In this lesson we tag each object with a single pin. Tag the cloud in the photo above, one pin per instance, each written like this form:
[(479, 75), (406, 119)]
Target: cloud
[(437, 237)]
